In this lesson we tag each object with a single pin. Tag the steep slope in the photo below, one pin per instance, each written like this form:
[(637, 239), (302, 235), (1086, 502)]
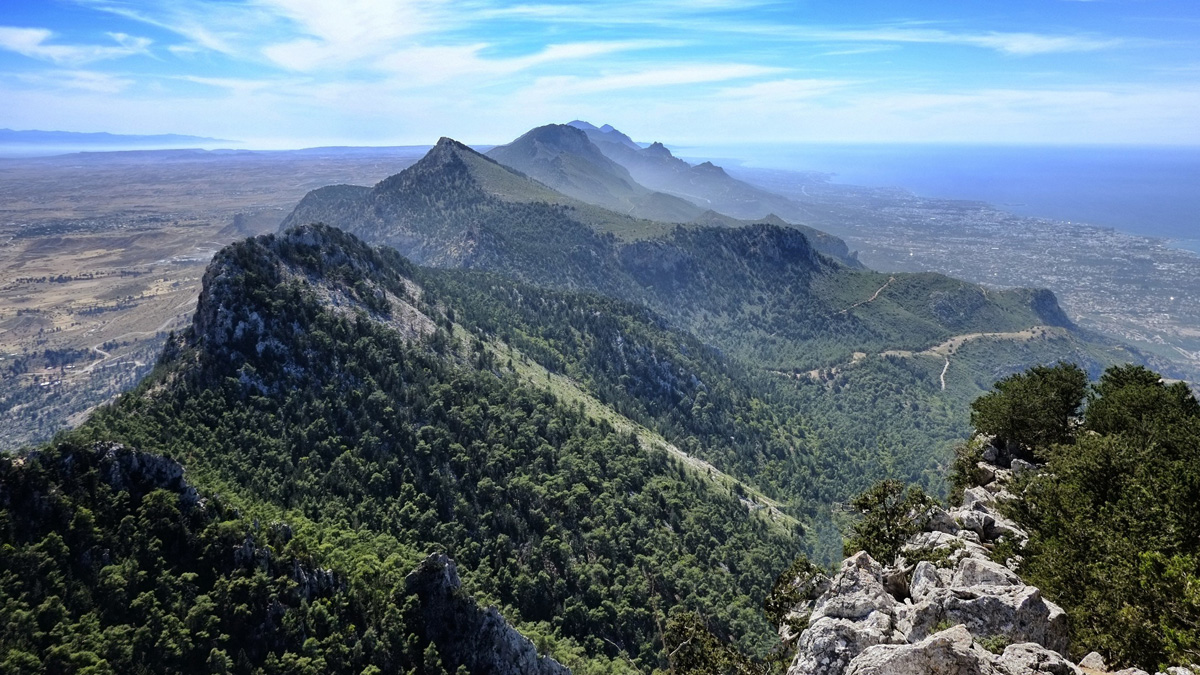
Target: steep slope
[(563, 158), (319, 379), (113, 562)]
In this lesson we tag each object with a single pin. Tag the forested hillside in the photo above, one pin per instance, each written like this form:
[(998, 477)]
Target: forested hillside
[(862, 364), (320, 382)]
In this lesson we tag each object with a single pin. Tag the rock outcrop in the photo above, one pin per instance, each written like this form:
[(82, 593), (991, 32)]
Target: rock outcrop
[(945, 605), (467, 635)]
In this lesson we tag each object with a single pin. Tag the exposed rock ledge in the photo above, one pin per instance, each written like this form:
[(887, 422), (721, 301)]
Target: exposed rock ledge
[(468, 635), (943, 607)]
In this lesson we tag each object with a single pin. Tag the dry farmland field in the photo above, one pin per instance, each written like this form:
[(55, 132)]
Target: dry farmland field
[(102, 255)]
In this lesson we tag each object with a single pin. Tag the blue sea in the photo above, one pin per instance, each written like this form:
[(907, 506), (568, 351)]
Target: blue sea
[(1151, 191)]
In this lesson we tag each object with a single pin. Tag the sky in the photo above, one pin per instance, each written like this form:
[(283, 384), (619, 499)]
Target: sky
[(298, 73)]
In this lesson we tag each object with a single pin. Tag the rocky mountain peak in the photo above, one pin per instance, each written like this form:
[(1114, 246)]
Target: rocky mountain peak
[(709, 167), (554, 139), (658, 149)]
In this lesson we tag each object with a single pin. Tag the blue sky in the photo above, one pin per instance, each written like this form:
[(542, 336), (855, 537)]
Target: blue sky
[(292, 73)]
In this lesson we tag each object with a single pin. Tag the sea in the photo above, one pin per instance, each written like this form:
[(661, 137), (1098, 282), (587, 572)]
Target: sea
[(1149, 191)]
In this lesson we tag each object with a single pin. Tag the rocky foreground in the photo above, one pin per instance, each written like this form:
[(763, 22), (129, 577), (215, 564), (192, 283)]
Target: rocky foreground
[(945, 606)]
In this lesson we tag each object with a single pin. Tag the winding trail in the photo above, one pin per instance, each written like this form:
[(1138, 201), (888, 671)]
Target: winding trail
[(870, 299), (945, 350)]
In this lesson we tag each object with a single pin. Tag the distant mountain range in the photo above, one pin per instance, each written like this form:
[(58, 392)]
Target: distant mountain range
[(102, 139), (705, 185)]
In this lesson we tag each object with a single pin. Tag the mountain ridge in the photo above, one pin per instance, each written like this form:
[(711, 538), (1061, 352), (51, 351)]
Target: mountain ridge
[(564, 158)]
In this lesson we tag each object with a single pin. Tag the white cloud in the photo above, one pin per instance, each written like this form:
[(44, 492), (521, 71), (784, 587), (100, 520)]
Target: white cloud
[(420, 65), (335, 33), (34, 43), (82, 80), (1012, 43), (783, 91), (568, 85)]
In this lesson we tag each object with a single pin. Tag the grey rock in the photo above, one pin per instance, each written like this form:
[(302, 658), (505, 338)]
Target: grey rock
[(941, 521), (829, 644), (977, 495), (1020, 466), (1094, 661), (1007, 529), (929, 542), (979, 522), (1132, 671), (855, 592), (1030, 659), (968, 535), (1017, 612), (975, 572), (924, 580), (895, 580), (950, 652)]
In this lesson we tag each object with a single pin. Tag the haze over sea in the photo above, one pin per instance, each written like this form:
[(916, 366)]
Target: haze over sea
[(1150, 191)]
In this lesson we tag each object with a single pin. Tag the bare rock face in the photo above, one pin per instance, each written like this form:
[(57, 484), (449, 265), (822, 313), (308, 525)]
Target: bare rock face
[(467, 635), (893, 620)]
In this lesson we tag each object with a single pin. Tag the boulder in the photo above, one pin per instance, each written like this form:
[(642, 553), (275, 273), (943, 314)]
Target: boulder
[(855, 592), (1020, 466), (1030, 659), (977, 495), (829, 645), (1094, 661), (1016, 612), (957, 547), (924, 580), (976, 572), (950, 652), (987, 472), (941, 521), (979, 522)]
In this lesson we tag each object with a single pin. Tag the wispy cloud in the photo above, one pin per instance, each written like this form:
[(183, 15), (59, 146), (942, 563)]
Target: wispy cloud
[(36, 43), (348, 30), (79, 80), (657, 77), (775, 92), (694, 17), (1018, 44)]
